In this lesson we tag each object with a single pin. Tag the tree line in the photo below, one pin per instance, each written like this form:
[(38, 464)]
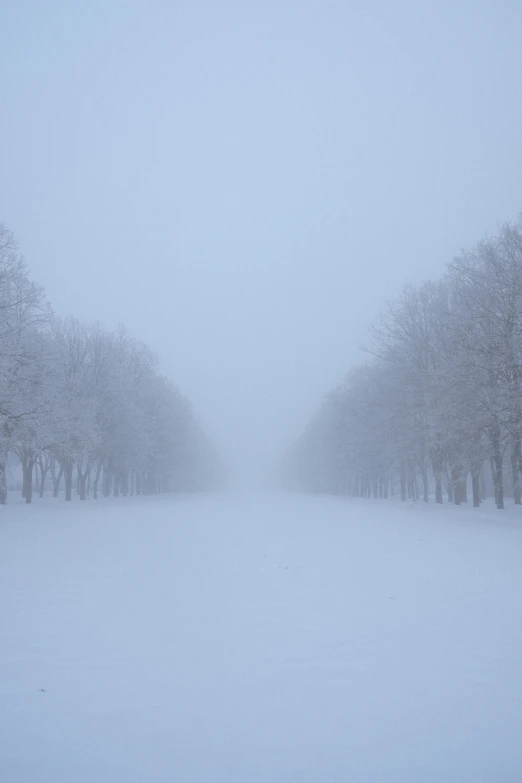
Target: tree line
[(86, 408), (437, 409)]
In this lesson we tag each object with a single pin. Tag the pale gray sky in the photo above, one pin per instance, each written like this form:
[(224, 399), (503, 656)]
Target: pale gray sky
[(243, 184)]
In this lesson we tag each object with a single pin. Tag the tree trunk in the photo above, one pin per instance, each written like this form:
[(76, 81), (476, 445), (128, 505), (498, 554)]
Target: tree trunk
[(457, 482), (27, 482), (437, 462), (475, 484), (496, 463), (403, 480), (3, 481), (500, 480), (4, 450), (44, 469), (515, 477), (438, 488), (68, 473), (82, 479), (108, 482), (96, 479), (449, 485), (56, 479), (24, 478), (425, 485), (375, 490), (108, 477)]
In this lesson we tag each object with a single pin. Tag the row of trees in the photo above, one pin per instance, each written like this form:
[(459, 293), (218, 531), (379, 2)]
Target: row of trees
[(86, 406), (439, 401)]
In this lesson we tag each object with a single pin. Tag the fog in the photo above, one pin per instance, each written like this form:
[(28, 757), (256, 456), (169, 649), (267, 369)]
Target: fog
[(244, 184)]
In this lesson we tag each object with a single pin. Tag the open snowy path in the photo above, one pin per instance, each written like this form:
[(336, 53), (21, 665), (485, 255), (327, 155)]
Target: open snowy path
[(247, 639)]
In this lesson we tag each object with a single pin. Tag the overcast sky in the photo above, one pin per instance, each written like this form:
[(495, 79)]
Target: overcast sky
[(243, 184)]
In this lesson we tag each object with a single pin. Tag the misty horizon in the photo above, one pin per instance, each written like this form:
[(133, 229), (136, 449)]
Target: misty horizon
[(244, 186)]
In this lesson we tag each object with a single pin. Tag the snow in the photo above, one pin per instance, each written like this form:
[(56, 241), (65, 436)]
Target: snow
[(277, 639)]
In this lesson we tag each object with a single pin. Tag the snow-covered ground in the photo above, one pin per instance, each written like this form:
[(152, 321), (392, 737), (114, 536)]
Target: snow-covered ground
[(259, 639)]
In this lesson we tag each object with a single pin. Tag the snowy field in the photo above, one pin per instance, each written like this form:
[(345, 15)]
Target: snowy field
[(249, 639)]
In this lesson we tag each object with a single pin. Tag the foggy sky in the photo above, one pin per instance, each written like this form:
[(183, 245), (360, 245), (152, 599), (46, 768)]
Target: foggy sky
[(243, 184)]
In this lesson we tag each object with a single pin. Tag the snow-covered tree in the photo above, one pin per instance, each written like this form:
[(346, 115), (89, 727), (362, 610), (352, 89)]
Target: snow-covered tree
[(441, 396), (86, 404)]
